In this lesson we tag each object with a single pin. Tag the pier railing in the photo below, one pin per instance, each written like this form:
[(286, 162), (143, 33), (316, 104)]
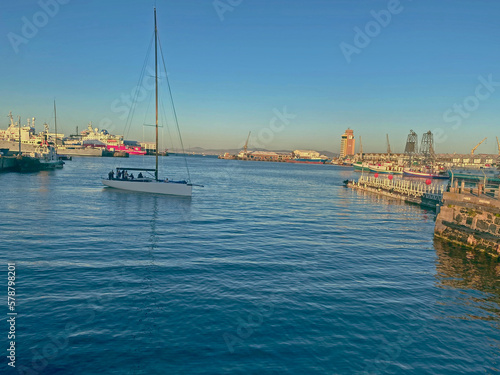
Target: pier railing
[(401, 187)]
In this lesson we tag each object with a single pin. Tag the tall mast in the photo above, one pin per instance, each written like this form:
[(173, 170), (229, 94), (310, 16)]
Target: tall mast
[(19, 123), (55, 122), (156, 94)]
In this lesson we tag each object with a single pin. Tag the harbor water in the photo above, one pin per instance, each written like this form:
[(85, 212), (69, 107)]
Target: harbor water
[(270, 268)]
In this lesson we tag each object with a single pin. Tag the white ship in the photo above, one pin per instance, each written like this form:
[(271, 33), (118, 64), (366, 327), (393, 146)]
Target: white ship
[(15, 130), (98, 136)]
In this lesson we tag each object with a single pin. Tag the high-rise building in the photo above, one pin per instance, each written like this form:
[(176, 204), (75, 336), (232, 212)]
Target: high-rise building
[(347, 144)]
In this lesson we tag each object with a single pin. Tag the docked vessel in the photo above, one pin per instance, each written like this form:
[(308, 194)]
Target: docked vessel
[(131, 150), (388, 168), (151, 183), (307, 160), (361, 166), (425, 174), (47, 157), (95, 136), (34, 153), (101, 138), (488, 175), (307, 157)]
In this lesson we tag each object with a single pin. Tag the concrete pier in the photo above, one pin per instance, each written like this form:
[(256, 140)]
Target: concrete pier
[(406, 190)]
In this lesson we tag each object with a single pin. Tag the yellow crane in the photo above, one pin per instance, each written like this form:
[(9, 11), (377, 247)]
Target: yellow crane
[(474, 149), (246, 143), (361, 146), (498, 143)]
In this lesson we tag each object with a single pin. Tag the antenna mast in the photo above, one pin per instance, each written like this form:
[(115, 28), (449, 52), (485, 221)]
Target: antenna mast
[(19, 124), (156, 93), (55, 123)]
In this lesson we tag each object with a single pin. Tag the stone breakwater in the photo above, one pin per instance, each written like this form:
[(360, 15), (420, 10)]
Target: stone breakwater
[(470, 220), (463, 217)]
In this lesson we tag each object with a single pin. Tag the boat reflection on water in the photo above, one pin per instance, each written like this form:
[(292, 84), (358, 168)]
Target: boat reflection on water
[(470, 279)]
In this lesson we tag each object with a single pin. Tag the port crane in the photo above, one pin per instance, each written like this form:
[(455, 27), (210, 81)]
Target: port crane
[(246, 143), (474, 149)]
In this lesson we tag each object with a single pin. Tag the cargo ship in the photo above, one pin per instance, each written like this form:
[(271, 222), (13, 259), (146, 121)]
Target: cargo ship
[(307, 157), (307, 160)]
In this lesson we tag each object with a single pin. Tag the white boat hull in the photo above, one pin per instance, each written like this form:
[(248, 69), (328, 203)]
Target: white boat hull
[(151, 186), (386, 169)]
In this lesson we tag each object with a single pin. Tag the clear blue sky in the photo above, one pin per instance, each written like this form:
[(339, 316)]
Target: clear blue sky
[(232, 70)]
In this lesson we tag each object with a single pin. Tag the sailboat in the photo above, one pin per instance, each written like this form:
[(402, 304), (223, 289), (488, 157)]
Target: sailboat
[(151, 183)]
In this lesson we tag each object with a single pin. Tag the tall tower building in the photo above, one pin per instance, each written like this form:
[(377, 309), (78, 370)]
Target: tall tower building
[(347, 144)]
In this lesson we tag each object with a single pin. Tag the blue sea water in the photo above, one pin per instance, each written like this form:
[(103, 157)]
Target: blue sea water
[(270, 268)]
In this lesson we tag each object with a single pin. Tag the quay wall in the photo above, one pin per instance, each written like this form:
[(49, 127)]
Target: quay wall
[(26, 147), (7, 163), (14, 146), (80, 151), (470, 220)]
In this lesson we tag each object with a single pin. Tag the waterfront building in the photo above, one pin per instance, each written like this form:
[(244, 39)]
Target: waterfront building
[(347, 144), (149, 147), (468, 161)]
